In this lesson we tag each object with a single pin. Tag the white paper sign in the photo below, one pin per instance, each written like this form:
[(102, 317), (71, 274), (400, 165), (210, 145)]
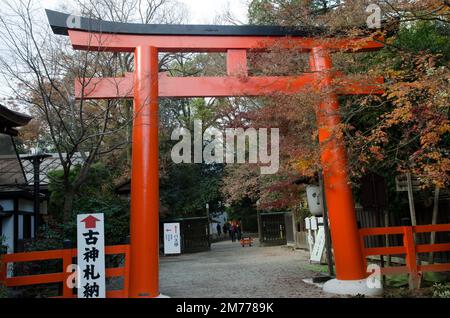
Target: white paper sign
[(319, 245), (172, 238), (313, 223), (310, 241), (91, 256), (307, 224)]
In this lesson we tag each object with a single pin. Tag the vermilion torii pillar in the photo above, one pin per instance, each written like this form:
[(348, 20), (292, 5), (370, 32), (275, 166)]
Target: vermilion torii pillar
[(144, 226), (146, 85)]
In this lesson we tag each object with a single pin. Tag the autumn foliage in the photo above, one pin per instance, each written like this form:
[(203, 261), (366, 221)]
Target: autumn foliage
[(405, 130)]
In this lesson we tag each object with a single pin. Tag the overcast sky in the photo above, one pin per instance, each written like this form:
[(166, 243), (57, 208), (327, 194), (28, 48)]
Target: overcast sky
[(200, 11)]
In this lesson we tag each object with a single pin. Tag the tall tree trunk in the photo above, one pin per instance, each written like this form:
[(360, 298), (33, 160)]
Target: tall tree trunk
[(69, 195), (129, 115)]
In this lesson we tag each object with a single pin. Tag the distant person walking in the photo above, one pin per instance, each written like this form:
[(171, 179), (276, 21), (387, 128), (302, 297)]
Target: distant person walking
[(225, 229), (233, 232), (219, 230), (238, 231)]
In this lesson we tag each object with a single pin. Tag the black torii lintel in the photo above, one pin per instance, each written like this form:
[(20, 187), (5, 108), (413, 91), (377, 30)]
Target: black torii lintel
[(60, 22)]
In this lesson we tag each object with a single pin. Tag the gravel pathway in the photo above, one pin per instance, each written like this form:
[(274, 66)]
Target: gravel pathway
[(230, 270)]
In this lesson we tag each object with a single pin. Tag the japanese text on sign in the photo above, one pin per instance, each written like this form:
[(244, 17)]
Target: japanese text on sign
[(91, 256)]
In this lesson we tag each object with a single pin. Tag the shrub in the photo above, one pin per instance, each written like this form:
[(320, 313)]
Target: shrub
[(441, 290), (3, 290)]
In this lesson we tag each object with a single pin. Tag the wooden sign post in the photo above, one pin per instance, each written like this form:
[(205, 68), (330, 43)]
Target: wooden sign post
[(91, 256)]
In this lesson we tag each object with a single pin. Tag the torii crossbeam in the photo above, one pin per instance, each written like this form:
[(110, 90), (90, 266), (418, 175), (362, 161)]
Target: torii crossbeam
[(146, 85)]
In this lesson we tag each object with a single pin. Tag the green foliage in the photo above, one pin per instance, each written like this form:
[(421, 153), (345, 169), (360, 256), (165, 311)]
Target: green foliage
[(441, 290), (186, 188), (401, 292), (56, 187), (261, 12), (245, 211), (201, 110), (414, 38), (397, 287), (425, 36), (116, 213), (434, 277), (3, 289), (2, 247), (50, 237), (397, 281), (96, 195), (275, 12), (316, 268)]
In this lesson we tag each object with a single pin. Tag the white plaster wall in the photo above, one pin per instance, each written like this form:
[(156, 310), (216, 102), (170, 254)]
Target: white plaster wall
[(43, 207), (8, 232), (32, 227), (26, 205), (8, 205), (220, 218), (20, 227)]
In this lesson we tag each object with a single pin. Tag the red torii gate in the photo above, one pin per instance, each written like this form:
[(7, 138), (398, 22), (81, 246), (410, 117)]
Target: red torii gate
[(146, 85)]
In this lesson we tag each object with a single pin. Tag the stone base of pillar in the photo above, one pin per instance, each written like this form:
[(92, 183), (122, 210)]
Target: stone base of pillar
[(351, 287)]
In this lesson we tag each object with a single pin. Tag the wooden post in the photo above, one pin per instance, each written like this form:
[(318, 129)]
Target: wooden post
[(294, 229), (411, 258), (209, 225), (412, 210), (386, 237), (380, 215), (412, 281), (433, 222), (259, 227), (326, 228)]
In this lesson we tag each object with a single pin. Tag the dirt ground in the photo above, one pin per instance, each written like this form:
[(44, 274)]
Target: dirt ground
[(230, 270)]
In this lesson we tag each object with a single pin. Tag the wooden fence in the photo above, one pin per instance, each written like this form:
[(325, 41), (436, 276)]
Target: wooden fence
[(410, 249), (63, 277)]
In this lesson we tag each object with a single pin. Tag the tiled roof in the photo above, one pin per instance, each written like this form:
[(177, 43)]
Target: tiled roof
[(13, 172), (10, 169), (48, 164), (10, 119)]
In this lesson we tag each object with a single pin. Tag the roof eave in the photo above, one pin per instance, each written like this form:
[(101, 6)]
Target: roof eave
[(60, 22)]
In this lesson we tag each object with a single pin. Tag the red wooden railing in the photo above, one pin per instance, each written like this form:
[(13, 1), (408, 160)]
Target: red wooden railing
[(62, 277), (410, 249)]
